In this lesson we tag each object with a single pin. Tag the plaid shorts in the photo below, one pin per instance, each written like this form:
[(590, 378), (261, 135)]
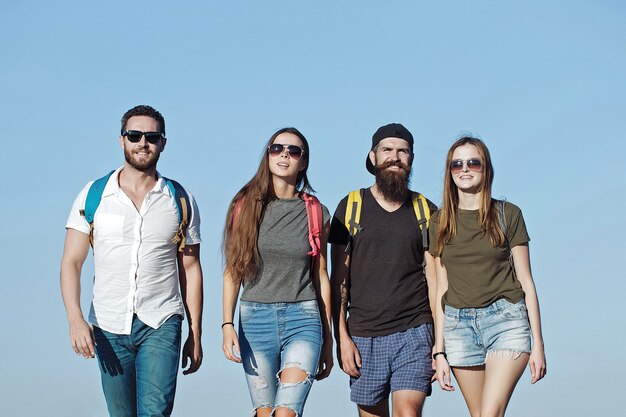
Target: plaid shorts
[(399, 361)]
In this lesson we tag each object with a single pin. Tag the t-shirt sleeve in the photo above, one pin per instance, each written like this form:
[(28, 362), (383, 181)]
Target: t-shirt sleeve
[(192, 234), (75, 220), (338, 232), (325, 215), (515, 226), (432, 233)]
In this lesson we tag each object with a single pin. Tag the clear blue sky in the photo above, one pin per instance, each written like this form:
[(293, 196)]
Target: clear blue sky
[(543, 83)]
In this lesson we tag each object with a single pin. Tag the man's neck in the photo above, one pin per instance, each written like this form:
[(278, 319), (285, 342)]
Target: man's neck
[(135, 179)]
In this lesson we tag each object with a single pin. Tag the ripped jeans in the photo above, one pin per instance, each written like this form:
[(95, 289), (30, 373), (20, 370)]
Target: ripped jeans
[(276, 336)]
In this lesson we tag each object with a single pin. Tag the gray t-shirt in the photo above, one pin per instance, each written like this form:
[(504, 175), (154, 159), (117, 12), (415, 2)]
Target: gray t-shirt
[(283, 244)]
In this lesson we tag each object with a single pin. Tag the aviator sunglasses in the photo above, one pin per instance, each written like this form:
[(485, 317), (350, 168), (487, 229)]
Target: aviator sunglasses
[(473, 164), (134, 136), (275, 149)]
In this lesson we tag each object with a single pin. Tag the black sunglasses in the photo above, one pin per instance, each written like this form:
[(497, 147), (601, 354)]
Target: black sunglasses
[(473, 164), (134, 136), (294, 151)]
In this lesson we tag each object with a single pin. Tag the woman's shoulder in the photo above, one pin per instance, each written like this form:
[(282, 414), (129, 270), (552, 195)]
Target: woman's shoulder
[(435, 215)]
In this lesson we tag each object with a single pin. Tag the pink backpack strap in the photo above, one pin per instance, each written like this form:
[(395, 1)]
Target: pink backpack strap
[(315, 219), (234, 220)]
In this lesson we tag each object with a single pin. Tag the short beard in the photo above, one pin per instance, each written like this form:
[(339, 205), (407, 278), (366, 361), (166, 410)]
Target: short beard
[(148, 165), (393, 185)]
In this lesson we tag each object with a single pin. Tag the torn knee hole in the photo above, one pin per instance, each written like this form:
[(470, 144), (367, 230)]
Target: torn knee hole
[(292, 374), (284, 411), (264, 409)]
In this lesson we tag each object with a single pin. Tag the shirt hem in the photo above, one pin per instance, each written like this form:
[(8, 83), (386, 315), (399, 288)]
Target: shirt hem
[(418, 322)]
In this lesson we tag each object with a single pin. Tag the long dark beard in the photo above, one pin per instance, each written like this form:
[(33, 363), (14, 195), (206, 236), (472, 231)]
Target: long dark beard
[(145, 166), (393, 185)]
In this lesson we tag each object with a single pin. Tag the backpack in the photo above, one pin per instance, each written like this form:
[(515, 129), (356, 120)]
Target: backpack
[(503, 226), (181, 198), (353, 215), (315, 220)]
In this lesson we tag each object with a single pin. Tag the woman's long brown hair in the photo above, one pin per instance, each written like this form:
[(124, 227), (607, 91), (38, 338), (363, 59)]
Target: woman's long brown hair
[(487, 212), (241, 232)]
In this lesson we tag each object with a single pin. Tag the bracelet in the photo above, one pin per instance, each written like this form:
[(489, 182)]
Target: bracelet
[(227, 322), (440, 353)]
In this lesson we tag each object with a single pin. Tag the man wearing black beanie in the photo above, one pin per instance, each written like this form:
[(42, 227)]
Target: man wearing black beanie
[(382, 275)]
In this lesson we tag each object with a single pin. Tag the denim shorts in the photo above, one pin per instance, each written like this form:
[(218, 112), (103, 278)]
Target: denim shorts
[(276, 336), (399, 361), (471, 334)]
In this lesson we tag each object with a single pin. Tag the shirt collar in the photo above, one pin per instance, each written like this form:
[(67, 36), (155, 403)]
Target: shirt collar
[(113, 185)]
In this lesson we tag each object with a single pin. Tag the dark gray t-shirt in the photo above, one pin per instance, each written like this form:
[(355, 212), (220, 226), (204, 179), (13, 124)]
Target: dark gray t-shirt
[(284, 246), (388, 288)]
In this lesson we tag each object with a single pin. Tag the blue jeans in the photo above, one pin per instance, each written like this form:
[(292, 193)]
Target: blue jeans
[(276, 336), (139, 370)]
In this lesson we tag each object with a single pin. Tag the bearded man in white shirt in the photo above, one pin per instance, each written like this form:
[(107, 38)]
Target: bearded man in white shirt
[(144, 281)]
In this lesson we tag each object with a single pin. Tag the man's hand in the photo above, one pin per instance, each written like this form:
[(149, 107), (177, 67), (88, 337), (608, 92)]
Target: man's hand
[(349, 357), (192, 351), (81, 337), (326, 359)]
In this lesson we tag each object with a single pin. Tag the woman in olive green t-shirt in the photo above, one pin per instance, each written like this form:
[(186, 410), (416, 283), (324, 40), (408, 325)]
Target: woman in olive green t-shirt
[(487, 306)]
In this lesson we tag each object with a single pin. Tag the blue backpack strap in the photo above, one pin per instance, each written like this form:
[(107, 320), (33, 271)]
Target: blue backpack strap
[(94, 195), (183, 205)]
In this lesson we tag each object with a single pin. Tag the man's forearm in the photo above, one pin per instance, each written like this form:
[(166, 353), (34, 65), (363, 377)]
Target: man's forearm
[(191, 288), (193, 299), (74, 254), (70, 290)]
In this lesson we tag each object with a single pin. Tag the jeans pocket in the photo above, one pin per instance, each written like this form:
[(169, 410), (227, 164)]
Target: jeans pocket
[(450, 323), (246, 311), (514, 311), (309, 308)]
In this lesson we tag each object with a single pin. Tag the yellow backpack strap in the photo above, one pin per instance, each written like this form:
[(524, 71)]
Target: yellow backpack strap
[(353, 212), (353, 215), (422, 214)]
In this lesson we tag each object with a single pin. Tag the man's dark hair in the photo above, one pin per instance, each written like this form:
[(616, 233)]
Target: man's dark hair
[(144, 110)]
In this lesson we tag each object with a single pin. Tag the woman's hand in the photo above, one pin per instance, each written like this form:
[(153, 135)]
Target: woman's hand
[(537, 363), (443, 373), (326, 359), (230, 344)]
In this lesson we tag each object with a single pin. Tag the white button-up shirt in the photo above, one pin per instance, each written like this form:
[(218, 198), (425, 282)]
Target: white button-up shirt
[(135, 261)]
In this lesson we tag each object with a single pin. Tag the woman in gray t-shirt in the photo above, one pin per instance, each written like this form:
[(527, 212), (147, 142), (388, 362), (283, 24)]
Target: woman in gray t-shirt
[(275, 248)]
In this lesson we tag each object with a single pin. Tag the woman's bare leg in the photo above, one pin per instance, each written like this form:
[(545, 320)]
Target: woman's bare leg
[(502, 371), (471, 380)]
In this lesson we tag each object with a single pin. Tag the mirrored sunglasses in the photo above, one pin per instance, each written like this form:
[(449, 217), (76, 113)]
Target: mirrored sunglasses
[(473, 164), (295, 152)]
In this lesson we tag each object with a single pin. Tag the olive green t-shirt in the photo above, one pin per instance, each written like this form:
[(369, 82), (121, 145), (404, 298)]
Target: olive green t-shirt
[(478, 273)]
